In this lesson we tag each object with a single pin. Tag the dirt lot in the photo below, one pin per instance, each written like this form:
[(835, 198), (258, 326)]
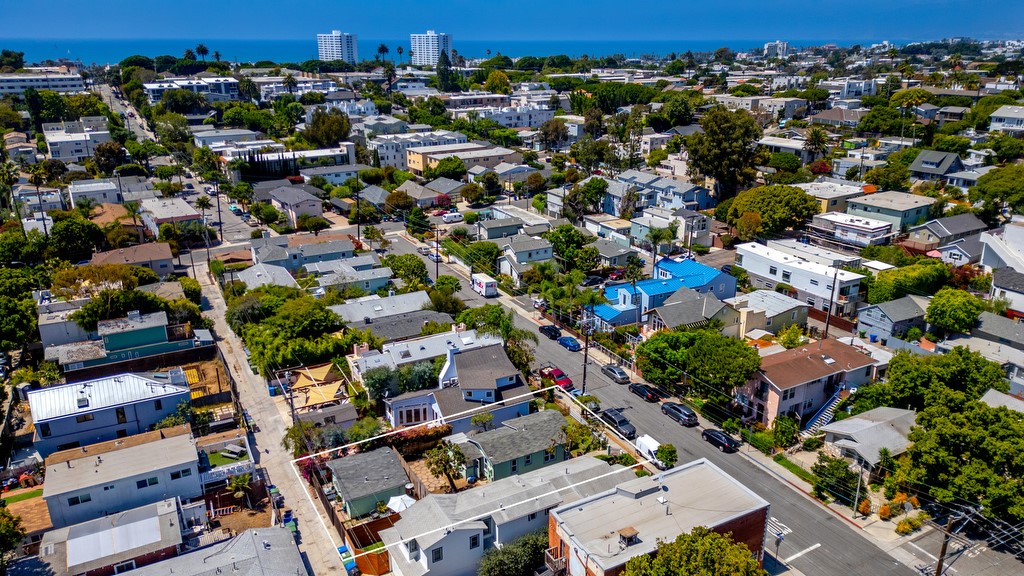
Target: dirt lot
[(246, 519)]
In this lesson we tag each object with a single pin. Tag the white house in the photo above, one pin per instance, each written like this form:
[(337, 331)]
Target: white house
[(519, 252), (811, 282), (1008, 119), (16, 84), (390, 148), (1004, 247), (75, 141), (294, 203), (95, 481), (852, 230)]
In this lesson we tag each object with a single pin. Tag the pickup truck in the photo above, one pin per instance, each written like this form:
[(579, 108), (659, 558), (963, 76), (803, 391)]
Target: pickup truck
[(555, 374)]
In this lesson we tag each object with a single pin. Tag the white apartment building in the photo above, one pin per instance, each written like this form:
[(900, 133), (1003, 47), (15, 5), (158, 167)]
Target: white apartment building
[(273, 86), (217, 88), (75, 141), (511, 117), (16, 84), (810, 282), (390, 148), (338, 45), (1004, 247), (425, 49), (777, 49), (845, 88), (1008, 119), (853, 230)]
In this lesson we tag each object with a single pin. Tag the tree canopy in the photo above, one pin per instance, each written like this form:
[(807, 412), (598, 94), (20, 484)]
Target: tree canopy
[(953, 310), (1004, 184), (780, 207), (702, 552), (715, 360), (726, 150)]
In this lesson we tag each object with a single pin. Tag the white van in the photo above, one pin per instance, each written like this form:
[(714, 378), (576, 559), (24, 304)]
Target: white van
[(484, 285), (452, 217), (646, 446)]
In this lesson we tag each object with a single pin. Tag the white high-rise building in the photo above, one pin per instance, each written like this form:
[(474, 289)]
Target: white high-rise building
[(777, 49), (338, 46), (425, 49)]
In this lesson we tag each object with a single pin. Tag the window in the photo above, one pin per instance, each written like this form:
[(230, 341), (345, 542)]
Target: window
[(528, 459), (531, 517), (773, 270), (814, 282), (108, 487), (549, 456), (80, 499), (792, 315), (867, 371), (810, 301), (179, 474), (147, 482), (158, 404), (412, 546), (44, 430), (768, 322), (515, 465), (84, 418), (786, 275), (121, 418), (437, 554), (124, 567), (474, 541)]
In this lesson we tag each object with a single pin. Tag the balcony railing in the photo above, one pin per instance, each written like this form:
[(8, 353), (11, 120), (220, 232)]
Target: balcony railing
[(554, 563)]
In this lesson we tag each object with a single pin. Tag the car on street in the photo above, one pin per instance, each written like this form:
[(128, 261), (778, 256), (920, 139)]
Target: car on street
[(618, 274), (424, 250), (643, 391), (555, 374), (440, 212), (593, 281), (551, 331), (727, 268), (434, 257), (721, 440), (569, 343), (616, 421), (616, 373), (190, 186), (679, 413)]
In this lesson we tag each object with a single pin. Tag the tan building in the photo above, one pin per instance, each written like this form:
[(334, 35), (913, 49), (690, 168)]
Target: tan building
[(472, 154)]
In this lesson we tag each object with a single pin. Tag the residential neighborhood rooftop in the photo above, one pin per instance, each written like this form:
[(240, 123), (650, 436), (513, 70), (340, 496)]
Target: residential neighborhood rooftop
[(900, 201), (367, 473), (812, 361), (91, 395)]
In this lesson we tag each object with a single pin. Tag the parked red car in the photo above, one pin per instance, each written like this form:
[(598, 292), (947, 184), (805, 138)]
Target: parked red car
[(618, 274), (440, 212), (556, 375)]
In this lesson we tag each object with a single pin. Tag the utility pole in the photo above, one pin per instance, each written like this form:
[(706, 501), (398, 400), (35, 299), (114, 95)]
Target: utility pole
[(856, 499), (437, 257), (357, 214), (945, 544), (831, 301), (586, 350)]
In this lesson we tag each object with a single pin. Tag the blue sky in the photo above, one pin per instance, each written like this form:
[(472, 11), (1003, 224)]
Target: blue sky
[(517, 19)]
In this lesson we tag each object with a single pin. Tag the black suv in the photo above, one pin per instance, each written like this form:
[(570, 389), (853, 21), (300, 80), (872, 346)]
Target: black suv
[(721, 440), (613, 417), (551, 331), (679, 413)]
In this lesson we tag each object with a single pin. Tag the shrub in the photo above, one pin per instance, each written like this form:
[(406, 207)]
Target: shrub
[(865, 507), (914, 502), (700, 249), (884, 512), (763, 441), (813, 443), (914, 334), (416, 441), (731, 425), (904, 528), (898, 499)]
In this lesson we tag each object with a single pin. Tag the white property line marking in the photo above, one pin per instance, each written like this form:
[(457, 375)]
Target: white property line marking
[(801, 553)]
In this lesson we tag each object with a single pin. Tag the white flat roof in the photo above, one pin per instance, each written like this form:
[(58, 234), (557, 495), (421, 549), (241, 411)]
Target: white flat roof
[(854, 221), (109, 391), (782, 258)]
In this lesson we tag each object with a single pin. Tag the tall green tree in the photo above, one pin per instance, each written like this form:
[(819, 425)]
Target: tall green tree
[(446, 80), (953, 310), (726, 150), (446, 460), (12, 534), (326, 128), (779, 207), (701, 552), (817, 142)]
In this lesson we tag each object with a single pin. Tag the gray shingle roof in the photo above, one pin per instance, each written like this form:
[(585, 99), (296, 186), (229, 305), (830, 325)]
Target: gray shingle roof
[(368, 473), (257, 552), (995, 399), (521, 242), (481, 368), (905, 308), (873, 430), (501, 223), (955, 225), (1008, 278), (688, 307), (970, 245), (406, 325), (444, 185), (999, 328), (521, 436), (945, 162), (292, 195)]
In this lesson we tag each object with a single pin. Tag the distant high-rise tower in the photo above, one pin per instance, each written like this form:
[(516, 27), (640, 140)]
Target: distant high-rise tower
[(425, 49), (777, 49), (338, 46)]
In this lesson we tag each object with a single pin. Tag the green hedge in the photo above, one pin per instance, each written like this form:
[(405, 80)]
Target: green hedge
[(763, 441)]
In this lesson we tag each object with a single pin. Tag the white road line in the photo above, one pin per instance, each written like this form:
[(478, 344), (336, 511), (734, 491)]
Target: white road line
[(776, 527), (801, 553), (928, 554)]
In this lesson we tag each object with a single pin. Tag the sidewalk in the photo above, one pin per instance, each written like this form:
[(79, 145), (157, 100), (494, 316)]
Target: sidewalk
[(319, 551)]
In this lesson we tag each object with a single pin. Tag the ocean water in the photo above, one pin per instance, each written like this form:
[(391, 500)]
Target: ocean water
[(111, 51)]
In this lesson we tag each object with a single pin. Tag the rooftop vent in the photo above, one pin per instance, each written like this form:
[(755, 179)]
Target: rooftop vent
[(828, 359), (628, 536)]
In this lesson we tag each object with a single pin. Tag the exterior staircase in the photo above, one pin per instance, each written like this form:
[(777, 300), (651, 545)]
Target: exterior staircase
[(823, 417)]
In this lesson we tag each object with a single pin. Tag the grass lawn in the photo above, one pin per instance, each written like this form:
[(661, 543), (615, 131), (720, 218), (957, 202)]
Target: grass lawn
[(800, 472), (216, 459), (23, 496)]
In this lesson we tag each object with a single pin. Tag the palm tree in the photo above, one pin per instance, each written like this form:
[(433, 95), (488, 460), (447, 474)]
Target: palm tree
[(817, 142), (202, 51), (382, 51), (516, 340), (133, 209), (657, 237), (399, 50), (8, 178), (634, 272), (216, 56), (38, 177), (239, 487), (411, 54), (572, 282), (290, 83), (248, 90), (955, 61), (188, 54)]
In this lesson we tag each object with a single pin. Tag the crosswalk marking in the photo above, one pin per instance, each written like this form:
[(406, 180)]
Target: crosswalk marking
[(778, 528)]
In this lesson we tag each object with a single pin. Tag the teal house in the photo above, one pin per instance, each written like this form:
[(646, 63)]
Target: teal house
[(517, 446), (364, 479), (131, 338)]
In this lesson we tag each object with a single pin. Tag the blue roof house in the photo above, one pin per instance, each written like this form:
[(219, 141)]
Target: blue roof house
[(697, 276), (622, 301)]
